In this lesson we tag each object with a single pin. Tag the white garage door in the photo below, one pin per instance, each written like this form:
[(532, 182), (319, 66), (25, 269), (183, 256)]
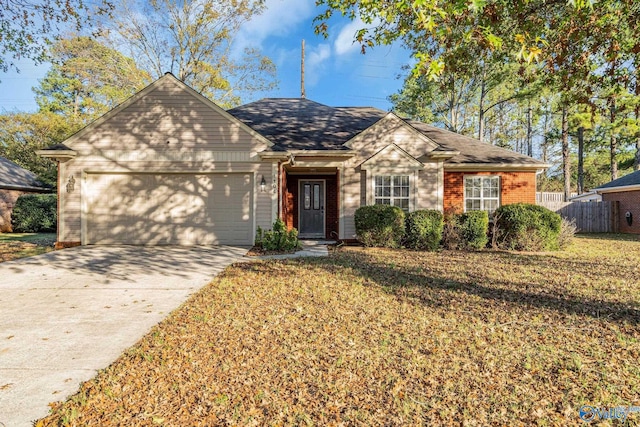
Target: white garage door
[(169, 209)]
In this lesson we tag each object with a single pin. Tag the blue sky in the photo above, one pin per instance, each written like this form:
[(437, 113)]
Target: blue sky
[(337, 74)]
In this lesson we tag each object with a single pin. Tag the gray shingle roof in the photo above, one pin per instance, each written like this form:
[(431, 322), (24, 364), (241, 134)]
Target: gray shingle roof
[(13, 177), (472, 150), (301, 124), (631, 179)]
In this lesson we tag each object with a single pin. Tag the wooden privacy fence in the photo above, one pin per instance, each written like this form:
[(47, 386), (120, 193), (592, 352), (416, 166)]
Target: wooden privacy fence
[(546, 197), (590, 217)]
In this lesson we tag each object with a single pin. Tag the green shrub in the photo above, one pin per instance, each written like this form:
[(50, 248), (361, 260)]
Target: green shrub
[(527, 227), (278, 238), (423, 229), (474, 228), (35, 213), (380, 225)]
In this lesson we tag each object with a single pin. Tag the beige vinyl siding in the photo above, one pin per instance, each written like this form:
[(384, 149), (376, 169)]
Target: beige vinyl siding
[(168, 119), (430, 190), (264, 201), (391, 130), (168, 130), (356, 182), (69, 203)]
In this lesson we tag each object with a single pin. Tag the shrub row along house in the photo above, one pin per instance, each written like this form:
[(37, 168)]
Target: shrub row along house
[(169, 166)]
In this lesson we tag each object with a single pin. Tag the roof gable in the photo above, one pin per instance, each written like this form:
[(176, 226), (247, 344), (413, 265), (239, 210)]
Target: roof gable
[(392, 156), (390, 126), (167, 80)]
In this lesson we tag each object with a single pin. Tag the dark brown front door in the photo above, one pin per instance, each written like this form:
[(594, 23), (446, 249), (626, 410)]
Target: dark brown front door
[(311, 208)]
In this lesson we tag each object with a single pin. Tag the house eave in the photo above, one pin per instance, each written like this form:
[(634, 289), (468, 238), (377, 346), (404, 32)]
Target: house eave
[(635, 187), (502, 167), (58, 155), (346, 154), (273, 155)]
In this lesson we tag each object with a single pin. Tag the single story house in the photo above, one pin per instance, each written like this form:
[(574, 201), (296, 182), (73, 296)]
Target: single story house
[(626, 191), (168, 166), (15, 181)]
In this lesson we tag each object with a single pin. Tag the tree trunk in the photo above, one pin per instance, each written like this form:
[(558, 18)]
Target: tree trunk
[(580, 160), (529, 132), (613, 144), (566, 161), (453, 112), (481, 111), (636, 162)]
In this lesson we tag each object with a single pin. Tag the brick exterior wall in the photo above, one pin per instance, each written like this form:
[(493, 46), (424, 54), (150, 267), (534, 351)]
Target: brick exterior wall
[(629, 202), (332, 214), (8, 200), (516, 187)]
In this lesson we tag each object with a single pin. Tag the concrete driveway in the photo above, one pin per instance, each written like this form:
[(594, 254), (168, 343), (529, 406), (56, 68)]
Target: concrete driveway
[(66, 314)]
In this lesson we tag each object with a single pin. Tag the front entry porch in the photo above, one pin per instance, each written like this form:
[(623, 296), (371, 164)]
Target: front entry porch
[(311, 203)]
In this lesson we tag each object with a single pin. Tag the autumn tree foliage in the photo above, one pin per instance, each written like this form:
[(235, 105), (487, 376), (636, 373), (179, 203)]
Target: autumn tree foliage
[(28, 27), (511, 72), (87, 79), (194, 40)]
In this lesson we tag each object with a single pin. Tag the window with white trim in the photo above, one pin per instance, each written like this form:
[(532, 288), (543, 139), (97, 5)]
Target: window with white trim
[(481, 193), (392, 190)]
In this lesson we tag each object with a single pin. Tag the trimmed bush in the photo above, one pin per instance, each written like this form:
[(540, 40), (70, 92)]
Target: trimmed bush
[(527, 227), (380, 225), (474, 228), (278, 238), (423, 230), (35, 213)]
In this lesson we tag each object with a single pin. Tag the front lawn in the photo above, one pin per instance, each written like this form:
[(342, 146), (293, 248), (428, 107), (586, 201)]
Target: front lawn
[(388, 337), (20, 245)]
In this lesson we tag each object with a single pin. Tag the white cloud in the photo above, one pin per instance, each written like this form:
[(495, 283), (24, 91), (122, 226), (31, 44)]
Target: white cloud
[(344, 42), (315, 62), (280, 17), (318, 55)]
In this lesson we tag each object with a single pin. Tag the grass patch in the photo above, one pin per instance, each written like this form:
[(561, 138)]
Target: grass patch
[(21, 245), (375, 337)]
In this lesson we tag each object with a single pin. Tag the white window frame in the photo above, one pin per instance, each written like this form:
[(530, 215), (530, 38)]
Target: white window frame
[(391, 197), (482, 198)]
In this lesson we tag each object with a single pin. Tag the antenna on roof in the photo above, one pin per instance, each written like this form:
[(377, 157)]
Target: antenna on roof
[(302, 91)]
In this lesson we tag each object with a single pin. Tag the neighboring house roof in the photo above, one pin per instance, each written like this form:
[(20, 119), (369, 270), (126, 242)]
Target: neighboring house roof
[(13, 177), (589, 196), (301, 124), (627, 182)]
